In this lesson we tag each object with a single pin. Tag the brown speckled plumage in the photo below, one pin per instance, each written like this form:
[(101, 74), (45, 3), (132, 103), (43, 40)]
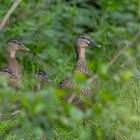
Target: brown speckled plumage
[(82, 42), (81, 66), (7, 72), (14, 66), (13, 69), (65, 84)]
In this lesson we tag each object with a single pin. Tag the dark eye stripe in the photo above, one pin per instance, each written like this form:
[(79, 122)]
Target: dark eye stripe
[(15, 41), (83, 37), (41, 72)]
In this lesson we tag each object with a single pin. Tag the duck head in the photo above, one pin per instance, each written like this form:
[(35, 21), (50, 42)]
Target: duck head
[(42, 76), (16, 45), (84, 41)]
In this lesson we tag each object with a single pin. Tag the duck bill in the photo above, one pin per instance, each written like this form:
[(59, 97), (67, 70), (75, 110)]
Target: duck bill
[(94, 44), (48, 80), (23, 48)]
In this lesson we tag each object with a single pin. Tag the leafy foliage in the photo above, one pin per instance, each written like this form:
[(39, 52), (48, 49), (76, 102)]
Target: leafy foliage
[(49, 29)]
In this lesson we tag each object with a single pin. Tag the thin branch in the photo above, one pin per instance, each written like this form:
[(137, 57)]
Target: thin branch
[(9, 12), (27, 14)]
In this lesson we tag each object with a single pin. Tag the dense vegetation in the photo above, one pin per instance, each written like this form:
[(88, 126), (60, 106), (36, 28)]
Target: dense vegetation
[(49, 28)]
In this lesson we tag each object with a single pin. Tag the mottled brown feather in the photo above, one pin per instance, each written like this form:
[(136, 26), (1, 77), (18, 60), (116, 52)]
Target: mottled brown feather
[(65, 84), (13, 67), (81, 67)]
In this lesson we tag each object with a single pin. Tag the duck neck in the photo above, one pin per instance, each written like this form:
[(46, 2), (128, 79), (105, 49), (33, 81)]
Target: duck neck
[(13, 63), (37, 86), (11, 58), (11, 54), (80, 54), (81, 61)]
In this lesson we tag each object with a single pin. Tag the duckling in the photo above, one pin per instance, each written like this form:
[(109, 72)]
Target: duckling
[(13, 69), (82, 42), (41, 77)]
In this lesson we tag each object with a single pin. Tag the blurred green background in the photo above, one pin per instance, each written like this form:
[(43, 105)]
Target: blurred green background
[(49, 28)]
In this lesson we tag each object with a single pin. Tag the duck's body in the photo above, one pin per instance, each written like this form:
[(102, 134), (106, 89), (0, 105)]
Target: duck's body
[(81, 66), (82, 43), (14, 66), (65, 84), (13, 69), (7, 72)]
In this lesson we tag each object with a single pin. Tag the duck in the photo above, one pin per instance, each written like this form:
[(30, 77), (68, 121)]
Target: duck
[(13, 68), (83, 42), (41, 78)]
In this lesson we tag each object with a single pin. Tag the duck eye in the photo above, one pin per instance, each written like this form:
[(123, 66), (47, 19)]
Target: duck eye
[(14, 41), (83, 37), (40, 73)]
